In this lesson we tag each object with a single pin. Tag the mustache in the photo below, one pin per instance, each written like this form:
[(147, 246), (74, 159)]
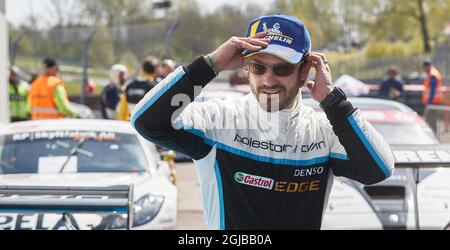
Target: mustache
[(276, 88)]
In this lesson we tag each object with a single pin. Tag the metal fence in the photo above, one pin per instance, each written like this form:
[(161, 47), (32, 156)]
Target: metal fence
[(376, 68), (410, 67), (442, 58), (89, 52)]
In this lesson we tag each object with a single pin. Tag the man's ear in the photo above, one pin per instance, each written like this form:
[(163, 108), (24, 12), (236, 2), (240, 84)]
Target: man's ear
[(303, 73), (304, 70), (246, 73), (301, 83)]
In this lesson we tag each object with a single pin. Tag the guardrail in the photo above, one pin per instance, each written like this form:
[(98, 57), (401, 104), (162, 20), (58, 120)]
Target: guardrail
[(438, 117)]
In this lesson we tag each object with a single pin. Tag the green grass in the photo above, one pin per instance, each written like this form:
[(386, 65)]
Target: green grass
[(74, 88)]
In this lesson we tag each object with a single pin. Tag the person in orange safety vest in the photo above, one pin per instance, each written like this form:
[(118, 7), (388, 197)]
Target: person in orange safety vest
[(48, 97), (432, 93)]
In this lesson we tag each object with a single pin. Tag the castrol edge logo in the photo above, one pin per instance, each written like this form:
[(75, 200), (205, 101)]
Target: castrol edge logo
[(253, 180)]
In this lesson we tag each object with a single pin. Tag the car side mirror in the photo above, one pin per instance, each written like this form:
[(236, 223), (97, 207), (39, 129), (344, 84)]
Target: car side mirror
[(167, 165)]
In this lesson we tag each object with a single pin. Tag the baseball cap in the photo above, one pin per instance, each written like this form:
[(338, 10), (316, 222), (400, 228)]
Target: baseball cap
[(290, 40)]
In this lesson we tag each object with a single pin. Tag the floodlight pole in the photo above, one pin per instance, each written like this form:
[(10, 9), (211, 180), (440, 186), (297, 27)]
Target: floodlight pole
[(13, 47), (87, 43)]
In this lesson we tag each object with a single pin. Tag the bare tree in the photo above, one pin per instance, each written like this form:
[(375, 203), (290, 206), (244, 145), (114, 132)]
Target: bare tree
[(413, 15), (423, 26), (116, 12), (65, 13)]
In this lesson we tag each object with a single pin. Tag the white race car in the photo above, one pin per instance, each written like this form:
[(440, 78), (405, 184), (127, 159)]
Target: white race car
[(391, 203), (84, 111), (86, 153)]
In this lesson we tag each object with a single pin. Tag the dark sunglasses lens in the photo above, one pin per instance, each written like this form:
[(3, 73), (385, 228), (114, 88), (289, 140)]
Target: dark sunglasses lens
[(257, 69), (284, 70)]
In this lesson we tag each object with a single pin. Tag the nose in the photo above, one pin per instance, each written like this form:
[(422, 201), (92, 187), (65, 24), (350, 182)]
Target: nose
[(269, 78)]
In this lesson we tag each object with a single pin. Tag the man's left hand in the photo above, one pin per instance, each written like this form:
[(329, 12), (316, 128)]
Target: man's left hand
[(322, 85)]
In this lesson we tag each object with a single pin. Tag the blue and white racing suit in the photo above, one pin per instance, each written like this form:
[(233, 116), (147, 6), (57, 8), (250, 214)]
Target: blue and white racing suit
[(259, 173)]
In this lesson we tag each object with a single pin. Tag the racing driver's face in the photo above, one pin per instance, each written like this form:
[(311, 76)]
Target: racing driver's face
[(273, 81)]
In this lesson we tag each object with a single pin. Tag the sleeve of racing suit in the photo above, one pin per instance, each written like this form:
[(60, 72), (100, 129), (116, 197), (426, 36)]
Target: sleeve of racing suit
[(155, 115), (358, 151)]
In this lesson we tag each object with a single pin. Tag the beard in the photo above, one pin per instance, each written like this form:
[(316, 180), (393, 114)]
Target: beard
[(269, 103), (269, 98), (274, 101)]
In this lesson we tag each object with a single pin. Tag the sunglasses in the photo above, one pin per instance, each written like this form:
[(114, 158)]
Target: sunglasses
[(284, 69)]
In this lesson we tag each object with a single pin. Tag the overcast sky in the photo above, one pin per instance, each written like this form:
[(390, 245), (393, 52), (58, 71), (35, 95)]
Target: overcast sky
[(18, 10)]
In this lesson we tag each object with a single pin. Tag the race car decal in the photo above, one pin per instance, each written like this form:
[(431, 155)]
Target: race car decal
[(423, 156), (36, 222), (52, 135)]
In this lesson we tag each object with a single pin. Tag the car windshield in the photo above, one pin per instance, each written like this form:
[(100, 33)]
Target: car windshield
[(405, 134), (48, 151)]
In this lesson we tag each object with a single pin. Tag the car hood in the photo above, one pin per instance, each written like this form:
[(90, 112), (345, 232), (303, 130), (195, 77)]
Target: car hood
[(143, 182)]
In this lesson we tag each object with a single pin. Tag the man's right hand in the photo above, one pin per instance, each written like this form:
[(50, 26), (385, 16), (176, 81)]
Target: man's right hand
[(229, 55)]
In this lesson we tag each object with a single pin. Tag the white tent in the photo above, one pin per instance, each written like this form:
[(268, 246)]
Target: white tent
[(352, 86)]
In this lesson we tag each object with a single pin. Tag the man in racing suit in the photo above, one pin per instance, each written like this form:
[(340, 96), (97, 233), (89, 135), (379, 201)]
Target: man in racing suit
[(265, 161)]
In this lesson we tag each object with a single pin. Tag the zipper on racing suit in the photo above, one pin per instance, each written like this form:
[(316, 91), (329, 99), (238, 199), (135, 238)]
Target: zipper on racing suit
[(290, 129)]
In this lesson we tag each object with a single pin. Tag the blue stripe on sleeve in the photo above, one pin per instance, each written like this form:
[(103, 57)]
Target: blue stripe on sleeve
[(168, 85), (220, 189), (369, 146)]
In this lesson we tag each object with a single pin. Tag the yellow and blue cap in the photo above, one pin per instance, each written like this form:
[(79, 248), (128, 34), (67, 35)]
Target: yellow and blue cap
[(290, 40)]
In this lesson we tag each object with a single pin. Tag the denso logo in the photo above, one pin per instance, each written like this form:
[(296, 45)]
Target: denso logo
[(253, 180), (308, 172)]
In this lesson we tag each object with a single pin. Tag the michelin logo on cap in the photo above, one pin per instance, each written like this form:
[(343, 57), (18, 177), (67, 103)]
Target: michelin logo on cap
[(275, 34)]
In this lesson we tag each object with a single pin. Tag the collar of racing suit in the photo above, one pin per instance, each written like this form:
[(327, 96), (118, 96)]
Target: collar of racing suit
[(282, 121)]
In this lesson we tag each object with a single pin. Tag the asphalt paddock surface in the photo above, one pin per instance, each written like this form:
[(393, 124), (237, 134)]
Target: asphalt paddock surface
[(190, 211)]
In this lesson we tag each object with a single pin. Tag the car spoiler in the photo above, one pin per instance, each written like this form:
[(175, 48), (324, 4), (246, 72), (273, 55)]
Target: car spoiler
[(422, 156), (68, 200), (418, 157)]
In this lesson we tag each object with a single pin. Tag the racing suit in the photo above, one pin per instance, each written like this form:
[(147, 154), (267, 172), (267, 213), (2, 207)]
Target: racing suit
[(258, 178)]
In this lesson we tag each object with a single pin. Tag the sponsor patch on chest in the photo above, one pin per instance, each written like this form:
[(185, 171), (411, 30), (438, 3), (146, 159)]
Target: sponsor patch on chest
[(268, 145), (253, 180), (279, 186)]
